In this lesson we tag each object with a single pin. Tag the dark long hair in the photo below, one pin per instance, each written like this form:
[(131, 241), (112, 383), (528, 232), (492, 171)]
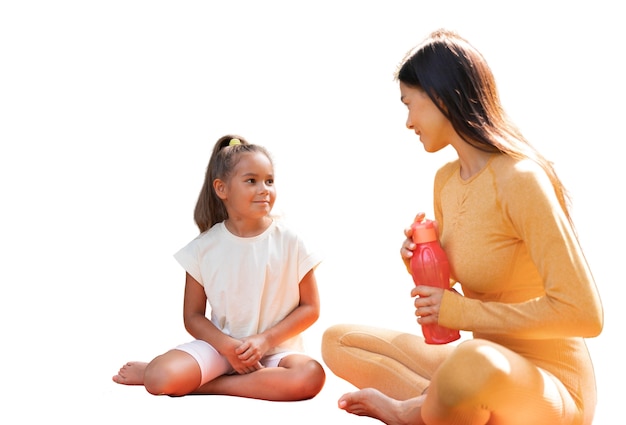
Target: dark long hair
[(459, 81), (227, 152)]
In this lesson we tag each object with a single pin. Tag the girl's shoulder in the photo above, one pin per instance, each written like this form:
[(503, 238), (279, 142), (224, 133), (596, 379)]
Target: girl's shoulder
[(212, 234), (294, 233), (280, 225)]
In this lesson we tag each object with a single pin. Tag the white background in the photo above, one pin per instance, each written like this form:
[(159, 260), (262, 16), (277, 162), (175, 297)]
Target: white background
[(109, 111)]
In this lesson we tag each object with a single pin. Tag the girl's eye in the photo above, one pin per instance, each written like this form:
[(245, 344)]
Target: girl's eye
[(269, 182), (251, 181)]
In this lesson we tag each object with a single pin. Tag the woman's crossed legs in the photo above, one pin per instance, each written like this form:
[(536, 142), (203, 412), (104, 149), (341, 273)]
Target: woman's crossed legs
[(474, 382)]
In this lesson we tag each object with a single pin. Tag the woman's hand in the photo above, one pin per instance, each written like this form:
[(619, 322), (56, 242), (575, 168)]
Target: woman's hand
[(427, 304), (406, 251)]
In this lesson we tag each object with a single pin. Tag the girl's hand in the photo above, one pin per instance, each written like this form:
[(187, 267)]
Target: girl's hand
[(251, 351), (427, 304), (240, 366)]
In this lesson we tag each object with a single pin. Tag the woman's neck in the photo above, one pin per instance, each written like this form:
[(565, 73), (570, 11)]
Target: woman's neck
[(471, 159)]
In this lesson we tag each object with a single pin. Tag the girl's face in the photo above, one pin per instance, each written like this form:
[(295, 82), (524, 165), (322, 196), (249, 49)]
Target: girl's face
[(249, 192), (432, 127)]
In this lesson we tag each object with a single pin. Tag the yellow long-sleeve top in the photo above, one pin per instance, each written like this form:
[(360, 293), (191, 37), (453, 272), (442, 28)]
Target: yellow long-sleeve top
[(525, 280)]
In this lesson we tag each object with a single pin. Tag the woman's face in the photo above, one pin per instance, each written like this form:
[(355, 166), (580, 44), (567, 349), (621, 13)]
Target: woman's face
[(433, 128)]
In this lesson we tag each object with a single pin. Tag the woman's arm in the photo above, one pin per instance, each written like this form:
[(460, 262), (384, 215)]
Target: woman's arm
[(570, 305)]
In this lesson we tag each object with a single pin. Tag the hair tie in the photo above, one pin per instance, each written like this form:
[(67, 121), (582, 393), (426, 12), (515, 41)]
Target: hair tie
[(234, 142)]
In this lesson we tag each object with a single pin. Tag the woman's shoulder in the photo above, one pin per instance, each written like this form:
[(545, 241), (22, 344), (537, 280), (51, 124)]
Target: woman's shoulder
[(448, 168), (446, 171), (521, 181), (515, 171)]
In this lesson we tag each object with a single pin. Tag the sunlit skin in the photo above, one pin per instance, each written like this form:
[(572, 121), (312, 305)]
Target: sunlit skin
[(425, 119), (435, 132), (529, 298), (248, 195)]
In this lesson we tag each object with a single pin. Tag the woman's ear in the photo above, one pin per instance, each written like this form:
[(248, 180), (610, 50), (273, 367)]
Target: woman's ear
[(441, 105), (220, 188)]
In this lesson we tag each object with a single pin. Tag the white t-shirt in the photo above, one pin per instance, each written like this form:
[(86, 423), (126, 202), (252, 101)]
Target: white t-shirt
[(250, 283)]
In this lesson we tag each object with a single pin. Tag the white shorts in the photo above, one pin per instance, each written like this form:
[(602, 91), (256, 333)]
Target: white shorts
[(213, 364)]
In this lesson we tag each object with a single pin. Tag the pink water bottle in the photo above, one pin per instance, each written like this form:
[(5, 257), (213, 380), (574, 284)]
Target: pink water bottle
[(429, 266)]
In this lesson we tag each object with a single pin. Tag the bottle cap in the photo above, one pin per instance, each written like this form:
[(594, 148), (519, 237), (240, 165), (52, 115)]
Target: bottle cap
[(424, 231)]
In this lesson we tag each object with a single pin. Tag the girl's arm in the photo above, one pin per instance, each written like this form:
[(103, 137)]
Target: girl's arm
[(301, 318), (197, 324)]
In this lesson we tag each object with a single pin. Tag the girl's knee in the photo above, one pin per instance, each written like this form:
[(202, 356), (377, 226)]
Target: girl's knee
[(165, 376), (156, 379), (309, 381), (314, 379)]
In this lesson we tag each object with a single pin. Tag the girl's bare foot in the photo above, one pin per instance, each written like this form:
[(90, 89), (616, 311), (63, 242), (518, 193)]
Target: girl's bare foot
[(131, 373), (374, 404)]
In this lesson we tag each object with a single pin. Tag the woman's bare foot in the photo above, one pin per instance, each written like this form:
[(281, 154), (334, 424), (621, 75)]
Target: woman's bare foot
[(374, 404), (131, 373)]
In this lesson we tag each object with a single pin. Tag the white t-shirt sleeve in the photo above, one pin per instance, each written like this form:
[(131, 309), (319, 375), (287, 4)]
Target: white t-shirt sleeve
[(310, 261), (187, 257)]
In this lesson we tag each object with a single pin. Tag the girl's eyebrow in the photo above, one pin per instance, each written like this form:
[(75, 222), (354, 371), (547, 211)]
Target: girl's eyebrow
[(252, 174)]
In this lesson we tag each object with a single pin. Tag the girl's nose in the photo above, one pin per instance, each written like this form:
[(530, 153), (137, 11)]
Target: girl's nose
[(408, 123)]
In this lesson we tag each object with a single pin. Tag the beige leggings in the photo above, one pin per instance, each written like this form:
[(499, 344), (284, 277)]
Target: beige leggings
[(474, 382)]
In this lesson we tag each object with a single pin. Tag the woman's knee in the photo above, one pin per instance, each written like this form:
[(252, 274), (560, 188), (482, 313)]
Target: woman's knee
[(331, 342), (333, 335), (475, 370)]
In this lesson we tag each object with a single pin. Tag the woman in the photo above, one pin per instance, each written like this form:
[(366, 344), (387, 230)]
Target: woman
[(528, 295)]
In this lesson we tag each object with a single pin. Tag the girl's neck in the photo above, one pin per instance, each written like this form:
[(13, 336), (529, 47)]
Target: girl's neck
[(247, 228)]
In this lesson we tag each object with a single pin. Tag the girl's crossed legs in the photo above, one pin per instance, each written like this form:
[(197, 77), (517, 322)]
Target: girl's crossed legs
[(197, 368)]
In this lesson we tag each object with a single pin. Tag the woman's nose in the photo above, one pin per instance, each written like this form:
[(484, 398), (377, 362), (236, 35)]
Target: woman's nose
[(408, 123)]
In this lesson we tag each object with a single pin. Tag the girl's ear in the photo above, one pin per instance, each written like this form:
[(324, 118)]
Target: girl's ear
[(220, 188)]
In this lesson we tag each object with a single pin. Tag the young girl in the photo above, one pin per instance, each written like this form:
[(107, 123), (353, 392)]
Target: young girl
[(258, 278), (528, 294)]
